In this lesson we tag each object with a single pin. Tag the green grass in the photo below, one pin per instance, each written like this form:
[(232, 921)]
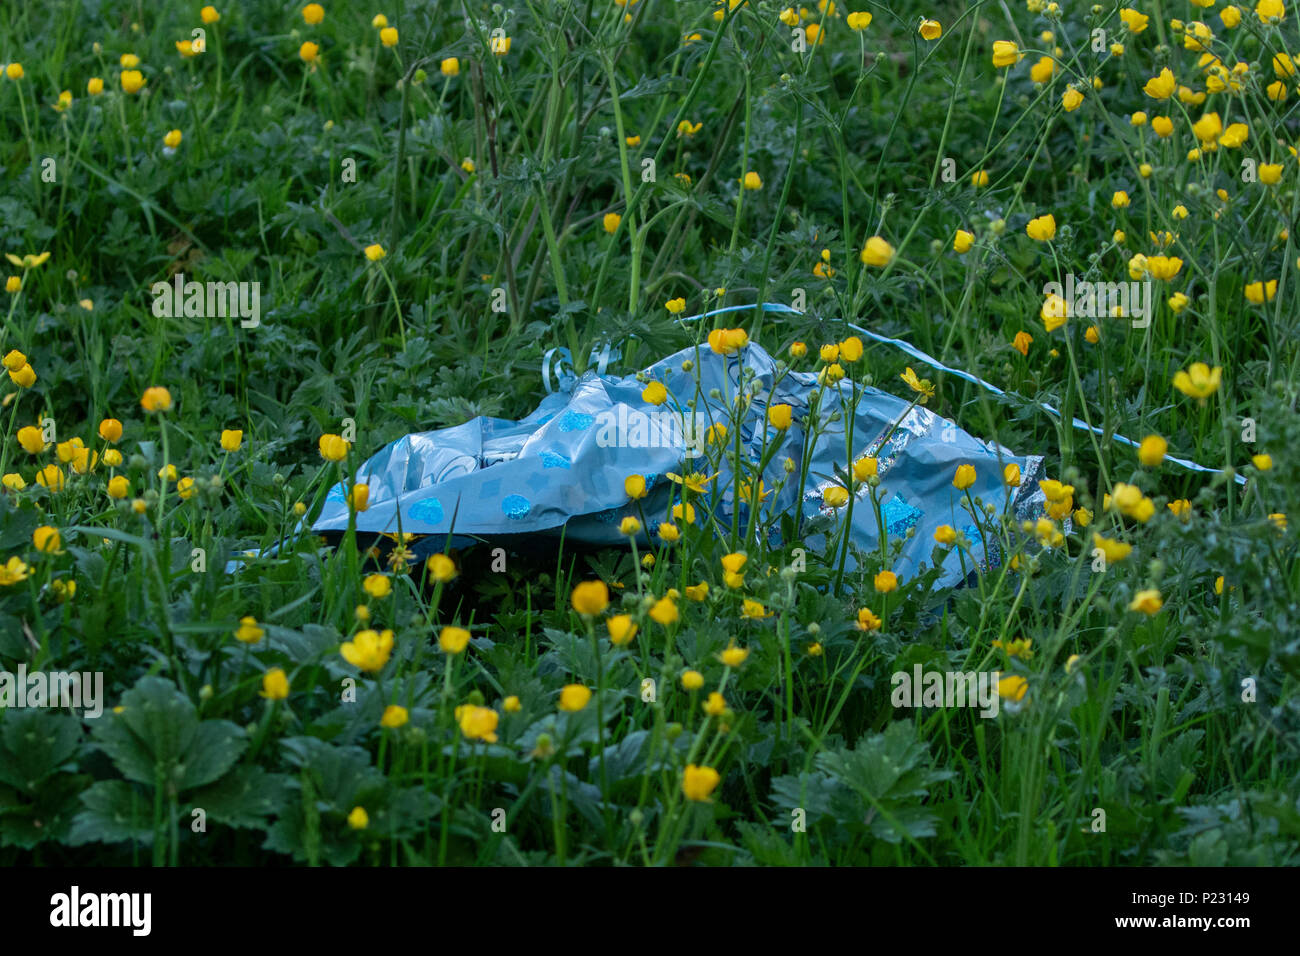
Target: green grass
[(489, 192)]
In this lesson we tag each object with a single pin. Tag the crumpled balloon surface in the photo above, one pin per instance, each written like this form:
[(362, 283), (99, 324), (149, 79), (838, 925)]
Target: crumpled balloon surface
[(564, 465)]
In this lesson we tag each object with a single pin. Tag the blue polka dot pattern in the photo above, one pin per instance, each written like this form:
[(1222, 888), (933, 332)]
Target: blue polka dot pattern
[(516, 506), (428, 510), (572, 421)]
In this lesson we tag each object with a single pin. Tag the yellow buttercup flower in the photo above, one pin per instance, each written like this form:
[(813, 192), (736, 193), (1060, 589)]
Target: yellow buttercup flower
[(1013, 687), (922, 386), (132, 81), (1161, 86), (664, 611), (1198, 380), (313, 14), (248, 631), (477, 723), (394, 716), (574, 697), (51, 477), (1113, 551), (964, 477), (699, 782), (1054, 313), (275, 684), (368, 650), (885, 581), (621, 629), (590, 597), (728, 341), (156, 399), (441, 567), (25, 377), (378, 586), (231, 438), (358, 819), (867, 620), (1135, 21), (13, 571), (1020, 647), (877, 252), (46, 539), (734, 656), (1005, 53), (1147, 602), (1042, 228), (1257, 293), (333, 447), (697, 592), (930, 29), (453, 640), (1152, 451)]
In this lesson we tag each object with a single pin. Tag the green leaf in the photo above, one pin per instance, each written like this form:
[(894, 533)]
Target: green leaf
[(158, 736), (115, 812), (217, 745), (242, 798), (35, 744)]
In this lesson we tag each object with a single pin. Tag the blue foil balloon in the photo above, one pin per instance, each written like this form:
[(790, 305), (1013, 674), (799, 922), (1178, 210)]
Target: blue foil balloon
[(564, 465)]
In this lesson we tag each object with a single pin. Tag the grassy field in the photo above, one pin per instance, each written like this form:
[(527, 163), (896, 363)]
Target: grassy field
[(429, 198)]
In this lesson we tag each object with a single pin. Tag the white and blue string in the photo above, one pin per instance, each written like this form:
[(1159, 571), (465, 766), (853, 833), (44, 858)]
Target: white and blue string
[(929, 360)]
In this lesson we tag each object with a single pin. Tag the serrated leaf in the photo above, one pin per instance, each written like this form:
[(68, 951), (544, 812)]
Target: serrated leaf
[(115, 812), (34, 744)]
